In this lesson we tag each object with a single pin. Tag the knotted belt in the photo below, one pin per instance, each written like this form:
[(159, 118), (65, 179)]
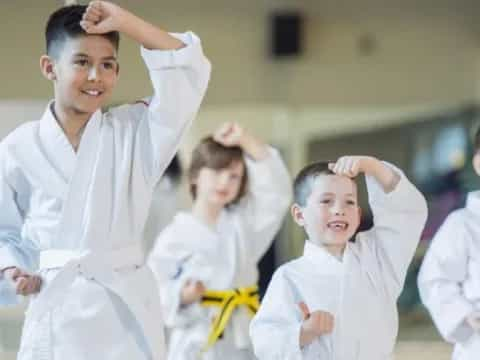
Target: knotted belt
[(228, 301), (100, 267)]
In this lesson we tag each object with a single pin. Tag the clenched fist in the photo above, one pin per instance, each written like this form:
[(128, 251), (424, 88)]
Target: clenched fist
[(25, 283), (314, 324)]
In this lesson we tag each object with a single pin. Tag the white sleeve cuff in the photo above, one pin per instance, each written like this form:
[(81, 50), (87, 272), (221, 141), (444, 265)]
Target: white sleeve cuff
[(164, 59)]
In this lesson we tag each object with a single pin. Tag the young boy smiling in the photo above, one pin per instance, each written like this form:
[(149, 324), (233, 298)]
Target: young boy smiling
[(338, 301), (75, 188)]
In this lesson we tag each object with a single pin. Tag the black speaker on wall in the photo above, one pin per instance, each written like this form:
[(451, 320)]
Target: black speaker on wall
[(286, 33)]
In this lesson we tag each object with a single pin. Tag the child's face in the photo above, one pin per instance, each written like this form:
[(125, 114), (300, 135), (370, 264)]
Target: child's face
[(331, 214), (219, 187), (85, 73)]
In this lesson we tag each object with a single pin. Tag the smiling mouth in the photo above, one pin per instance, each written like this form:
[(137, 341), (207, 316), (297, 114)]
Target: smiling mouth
[(94, 93), (338, 225)]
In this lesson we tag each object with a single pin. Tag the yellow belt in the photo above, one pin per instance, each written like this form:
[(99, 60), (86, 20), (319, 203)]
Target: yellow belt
[(227, 301)]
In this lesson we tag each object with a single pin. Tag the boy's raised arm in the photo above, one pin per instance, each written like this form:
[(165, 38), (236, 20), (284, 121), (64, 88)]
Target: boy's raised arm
[(399, 214), (179, 72), (269, 189)]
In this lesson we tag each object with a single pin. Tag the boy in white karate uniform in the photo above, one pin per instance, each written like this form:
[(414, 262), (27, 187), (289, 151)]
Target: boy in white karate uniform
[(338, 301), (449, 279), (206, 259), (75, 188)]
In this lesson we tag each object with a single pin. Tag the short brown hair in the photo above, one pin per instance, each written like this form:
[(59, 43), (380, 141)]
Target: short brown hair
[(213, 155), (303, 184)]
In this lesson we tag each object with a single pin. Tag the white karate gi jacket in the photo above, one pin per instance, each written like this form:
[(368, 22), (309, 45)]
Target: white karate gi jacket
[(449, 279), (79, 217), (224, 258), (360, 291)]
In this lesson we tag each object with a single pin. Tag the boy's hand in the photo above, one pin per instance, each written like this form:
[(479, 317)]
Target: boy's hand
[(314, 324), (232, 134), (101, 17), (474, 321), (351, 166), (192, 292), (25, 283)]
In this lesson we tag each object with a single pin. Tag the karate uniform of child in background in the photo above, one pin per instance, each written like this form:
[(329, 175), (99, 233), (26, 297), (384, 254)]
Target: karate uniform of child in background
[(241, 192)]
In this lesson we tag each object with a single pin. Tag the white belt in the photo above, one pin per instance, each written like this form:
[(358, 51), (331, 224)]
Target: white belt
[(101, 267), (114, 259)]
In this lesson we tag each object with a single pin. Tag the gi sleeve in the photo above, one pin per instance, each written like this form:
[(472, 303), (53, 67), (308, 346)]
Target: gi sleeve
[(267, 201), (399, 218), (180, 78), (13, 250)]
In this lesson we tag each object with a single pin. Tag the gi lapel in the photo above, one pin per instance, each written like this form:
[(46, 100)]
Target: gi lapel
[(41, 153), (99, 200), (72, 219)]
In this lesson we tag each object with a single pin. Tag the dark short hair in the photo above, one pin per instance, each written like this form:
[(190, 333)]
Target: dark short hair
[(211, 154), (64, 24), (303, 184)]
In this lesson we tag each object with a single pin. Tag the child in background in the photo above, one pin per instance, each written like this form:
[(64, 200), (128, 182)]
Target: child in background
[(449, 279), (206, 259)]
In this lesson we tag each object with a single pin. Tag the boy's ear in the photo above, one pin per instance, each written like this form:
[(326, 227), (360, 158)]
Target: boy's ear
[(297, 214), (47, 67), (476, 163)]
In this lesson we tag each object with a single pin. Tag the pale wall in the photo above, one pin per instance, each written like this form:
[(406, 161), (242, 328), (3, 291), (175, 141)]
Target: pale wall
[(427, 52)]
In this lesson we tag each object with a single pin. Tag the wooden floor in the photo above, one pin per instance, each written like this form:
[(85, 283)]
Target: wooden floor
[(406, 350)]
